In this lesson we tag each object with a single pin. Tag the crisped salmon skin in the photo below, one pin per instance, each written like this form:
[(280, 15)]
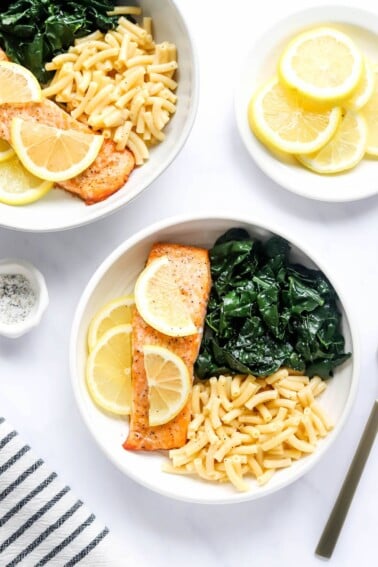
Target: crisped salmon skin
[(191, 269), (108, 173)]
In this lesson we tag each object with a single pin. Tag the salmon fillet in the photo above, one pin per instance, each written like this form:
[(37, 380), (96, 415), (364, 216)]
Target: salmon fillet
[(45, 112), (191, 269), (3, 56), (108, 173)]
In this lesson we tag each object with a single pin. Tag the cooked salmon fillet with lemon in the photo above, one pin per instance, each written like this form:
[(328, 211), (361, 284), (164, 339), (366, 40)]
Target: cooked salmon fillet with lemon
[(108, 172), (191, 270), (46, 112)]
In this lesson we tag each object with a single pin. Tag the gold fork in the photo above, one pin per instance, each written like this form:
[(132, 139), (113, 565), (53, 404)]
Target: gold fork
[(340, 509)]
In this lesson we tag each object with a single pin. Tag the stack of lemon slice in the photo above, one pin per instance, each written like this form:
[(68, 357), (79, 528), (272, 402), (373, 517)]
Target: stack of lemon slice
[(322, 106), (17, 185), (159, 302), (110, 354), (38, 155)]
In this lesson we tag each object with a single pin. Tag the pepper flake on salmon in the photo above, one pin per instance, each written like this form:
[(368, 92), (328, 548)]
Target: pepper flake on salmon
[(191, 269)]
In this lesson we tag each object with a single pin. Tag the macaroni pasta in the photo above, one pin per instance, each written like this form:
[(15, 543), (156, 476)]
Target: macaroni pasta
[(119, 83), (245, 426)]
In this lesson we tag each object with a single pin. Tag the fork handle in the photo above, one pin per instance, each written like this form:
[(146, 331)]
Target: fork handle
[(340, 509)]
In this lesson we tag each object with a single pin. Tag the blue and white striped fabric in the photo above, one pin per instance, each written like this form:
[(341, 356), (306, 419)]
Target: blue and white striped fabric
[(41, 521)]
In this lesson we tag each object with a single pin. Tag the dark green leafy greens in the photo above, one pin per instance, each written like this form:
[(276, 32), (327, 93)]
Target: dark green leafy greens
[(32, 32), (264, 312)]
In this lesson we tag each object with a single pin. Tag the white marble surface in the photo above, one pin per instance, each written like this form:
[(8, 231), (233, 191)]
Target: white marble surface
[(213, 171)]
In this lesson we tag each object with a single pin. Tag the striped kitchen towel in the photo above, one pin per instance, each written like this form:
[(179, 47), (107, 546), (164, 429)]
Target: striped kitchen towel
[(41, 521)]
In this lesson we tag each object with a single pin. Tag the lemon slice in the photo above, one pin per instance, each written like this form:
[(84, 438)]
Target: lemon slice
[(344, 151), (370, 112), (169, 384), (51, 153), (159, 300), (116, 312), (364, 91), (6, 151), (109, 370), (279, 118), (18, 186), (18, 84), (322, 64)]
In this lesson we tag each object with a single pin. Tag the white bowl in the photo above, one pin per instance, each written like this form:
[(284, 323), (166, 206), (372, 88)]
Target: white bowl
[(38, 284), (261, 63), (60, 210), (116, 276)]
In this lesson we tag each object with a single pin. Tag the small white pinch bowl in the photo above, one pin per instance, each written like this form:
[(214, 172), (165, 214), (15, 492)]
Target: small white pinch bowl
[(261, 63), (116, 276), (38, 284)]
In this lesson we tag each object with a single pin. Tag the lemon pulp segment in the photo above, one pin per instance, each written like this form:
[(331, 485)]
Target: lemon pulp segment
[(52, 153), (169, 384), (279, 118), (160, 302)]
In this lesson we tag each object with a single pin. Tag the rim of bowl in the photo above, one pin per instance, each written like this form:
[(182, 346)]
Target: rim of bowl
[(350, 15), (110, 208), (178, 220)]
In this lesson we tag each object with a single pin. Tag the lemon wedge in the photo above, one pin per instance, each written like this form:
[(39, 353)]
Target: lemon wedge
[(370, 113), (279, 118), (117, 312), (169, 384), (51, 153), (160, 302), (18, 186), (108, 370), (344, 151), (18, 84), (323, 64), (364, 91), (6, 151)]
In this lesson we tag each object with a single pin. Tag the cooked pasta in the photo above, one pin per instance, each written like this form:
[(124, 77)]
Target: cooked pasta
[(119, 83), (245, 426)]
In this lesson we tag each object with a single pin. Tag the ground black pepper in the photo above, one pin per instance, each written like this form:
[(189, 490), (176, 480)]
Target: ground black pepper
[(17, 298)]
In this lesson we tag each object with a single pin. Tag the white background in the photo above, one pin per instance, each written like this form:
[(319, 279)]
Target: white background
[(212, 172)]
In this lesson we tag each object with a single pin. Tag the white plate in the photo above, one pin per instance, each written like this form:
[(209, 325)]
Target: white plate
[(60, 210), (115, 277), (261, 63)]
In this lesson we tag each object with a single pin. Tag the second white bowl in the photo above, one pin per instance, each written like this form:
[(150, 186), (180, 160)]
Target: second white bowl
[(115, 277), (60, 210)]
